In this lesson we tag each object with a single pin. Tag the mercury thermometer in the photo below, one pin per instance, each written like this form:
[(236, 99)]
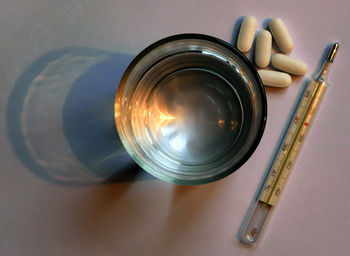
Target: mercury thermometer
[(288, 151)]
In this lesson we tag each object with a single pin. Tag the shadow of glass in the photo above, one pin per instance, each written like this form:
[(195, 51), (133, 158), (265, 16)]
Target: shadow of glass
[(60, 118)]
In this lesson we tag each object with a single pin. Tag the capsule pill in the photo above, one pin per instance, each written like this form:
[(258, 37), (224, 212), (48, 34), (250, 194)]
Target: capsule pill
[(288, 64), (281, 35), (274, 78), (263, 49), (246, 34)]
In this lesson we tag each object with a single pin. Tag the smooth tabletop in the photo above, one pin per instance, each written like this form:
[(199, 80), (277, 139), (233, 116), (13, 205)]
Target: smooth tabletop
[(67, 187)]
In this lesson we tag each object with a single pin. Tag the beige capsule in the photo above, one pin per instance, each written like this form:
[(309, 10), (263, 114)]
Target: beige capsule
[(274, 78), (281, 35), (263, 49), (246, 34), (288, 64)]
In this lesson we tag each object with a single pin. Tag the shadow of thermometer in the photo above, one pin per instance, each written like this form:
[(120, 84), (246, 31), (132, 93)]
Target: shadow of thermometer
[(288, 151)]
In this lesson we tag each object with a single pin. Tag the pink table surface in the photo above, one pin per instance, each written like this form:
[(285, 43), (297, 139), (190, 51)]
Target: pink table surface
[(52, 197)]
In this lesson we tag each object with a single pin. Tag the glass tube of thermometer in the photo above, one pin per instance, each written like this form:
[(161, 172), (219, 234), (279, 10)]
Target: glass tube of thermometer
[(288, 151)]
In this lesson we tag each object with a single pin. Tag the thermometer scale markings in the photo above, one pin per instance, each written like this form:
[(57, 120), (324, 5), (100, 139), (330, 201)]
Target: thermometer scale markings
[(289, 149)]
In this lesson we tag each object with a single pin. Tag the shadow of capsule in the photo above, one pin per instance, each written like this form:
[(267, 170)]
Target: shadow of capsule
[(235, 30), (60, 118)]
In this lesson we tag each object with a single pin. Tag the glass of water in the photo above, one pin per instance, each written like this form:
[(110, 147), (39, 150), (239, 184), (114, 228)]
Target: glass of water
[(190, 109)]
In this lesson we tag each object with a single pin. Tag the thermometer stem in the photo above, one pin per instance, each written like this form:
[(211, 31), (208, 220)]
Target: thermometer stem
[(287, 153)]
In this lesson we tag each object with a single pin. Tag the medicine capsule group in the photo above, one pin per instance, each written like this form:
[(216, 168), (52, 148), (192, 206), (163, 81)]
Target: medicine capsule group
[(281, 62)]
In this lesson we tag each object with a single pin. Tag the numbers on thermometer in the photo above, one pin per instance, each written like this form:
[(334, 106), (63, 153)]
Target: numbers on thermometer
[(293, 140)]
